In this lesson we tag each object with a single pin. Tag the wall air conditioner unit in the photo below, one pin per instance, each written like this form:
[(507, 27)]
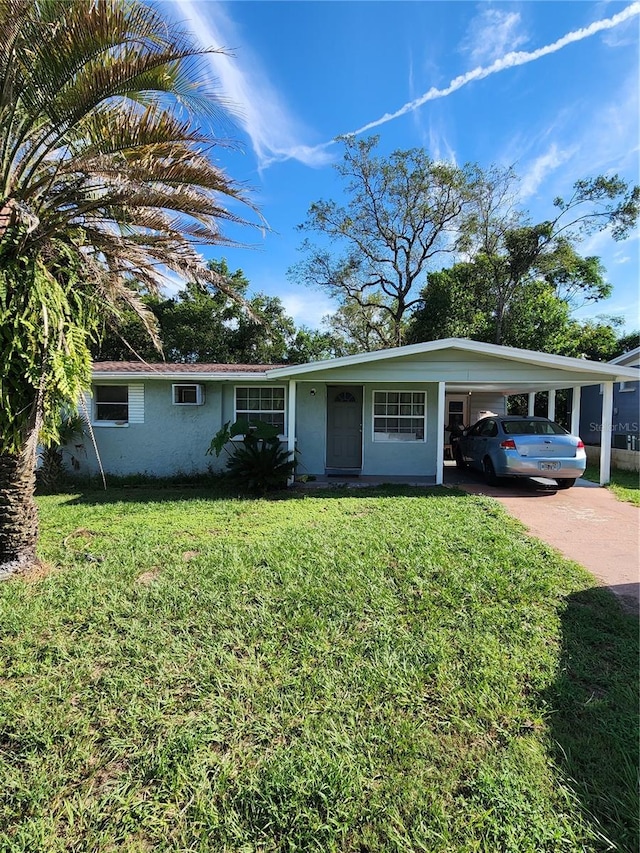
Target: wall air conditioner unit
[(187, 394)]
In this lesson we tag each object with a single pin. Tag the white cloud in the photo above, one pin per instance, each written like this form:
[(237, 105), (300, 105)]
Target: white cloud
[(541, 167), (274, 132), (439, 148), (491, 34), (172, 282), (307, 307)]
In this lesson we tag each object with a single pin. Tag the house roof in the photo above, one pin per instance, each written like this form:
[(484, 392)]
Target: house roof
[(165, 370), (631, 358), (462, 364), (542, 359)]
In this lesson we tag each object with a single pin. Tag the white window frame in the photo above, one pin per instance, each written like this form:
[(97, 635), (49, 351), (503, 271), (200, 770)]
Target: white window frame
[(386, 437), (242, 413), (199, 393), (627, 386), (135, 404), (103, 422)]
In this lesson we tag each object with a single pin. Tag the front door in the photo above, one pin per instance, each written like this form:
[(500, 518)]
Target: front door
[(344, 427)]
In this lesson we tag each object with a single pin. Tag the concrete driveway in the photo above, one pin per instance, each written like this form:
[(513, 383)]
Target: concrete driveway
[(587, 524)]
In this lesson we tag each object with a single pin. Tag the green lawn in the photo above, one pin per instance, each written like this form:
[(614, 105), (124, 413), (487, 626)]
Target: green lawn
[(366, 671), (624, 484)]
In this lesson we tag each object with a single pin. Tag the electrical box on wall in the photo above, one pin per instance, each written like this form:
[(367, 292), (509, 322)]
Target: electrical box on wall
[(187, 395)]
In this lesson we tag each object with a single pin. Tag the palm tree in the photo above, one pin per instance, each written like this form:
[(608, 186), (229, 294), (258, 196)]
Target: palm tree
[(106, 179)]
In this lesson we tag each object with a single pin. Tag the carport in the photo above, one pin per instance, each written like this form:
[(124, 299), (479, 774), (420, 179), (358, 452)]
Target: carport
[(457, 368), (508, 371), (554, 372)]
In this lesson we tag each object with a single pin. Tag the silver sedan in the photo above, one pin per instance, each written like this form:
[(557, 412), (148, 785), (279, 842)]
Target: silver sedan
[(517, 446)]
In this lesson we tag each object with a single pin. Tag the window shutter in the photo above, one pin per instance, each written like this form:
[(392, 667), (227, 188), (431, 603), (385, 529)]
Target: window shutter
[(136, 404)]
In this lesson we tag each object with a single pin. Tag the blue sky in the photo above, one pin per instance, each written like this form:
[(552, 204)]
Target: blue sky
[(549, 87)]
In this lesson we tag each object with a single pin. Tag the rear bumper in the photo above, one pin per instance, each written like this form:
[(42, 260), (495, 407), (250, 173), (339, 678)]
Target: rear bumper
[(511, 464)]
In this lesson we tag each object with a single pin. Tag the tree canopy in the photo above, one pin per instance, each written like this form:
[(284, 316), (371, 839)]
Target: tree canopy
[(406, 216), (201, 325), (402, 213)]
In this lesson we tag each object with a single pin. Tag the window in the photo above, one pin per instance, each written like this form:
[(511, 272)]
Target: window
[(626, 387), (261, 404), (345, 397), (399, 415), (525, 427), (112, 403), (477, 429), (187, 395), (117, 405), (490, 429)]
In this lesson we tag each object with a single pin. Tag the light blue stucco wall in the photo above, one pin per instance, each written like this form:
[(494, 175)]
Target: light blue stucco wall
[(401, 458), (311, 427), (174, 439)]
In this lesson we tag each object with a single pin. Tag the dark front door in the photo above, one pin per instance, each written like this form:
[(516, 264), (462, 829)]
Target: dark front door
[(344, 426)]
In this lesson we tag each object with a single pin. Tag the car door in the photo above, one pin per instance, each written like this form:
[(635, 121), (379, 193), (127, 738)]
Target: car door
[(471, 445), (488, 444)]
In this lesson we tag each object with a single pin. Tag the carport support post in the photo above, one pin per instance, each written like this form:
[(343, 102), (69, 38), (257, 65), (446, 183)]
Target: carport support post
[(551, 405), (531, 408), (291, 428), (575, 411), (440, 435), (605, 435)]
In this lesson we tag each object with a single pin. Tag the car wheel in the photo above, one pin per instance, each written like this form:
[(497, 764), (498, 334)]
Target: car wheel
[(489, 472), (460, 463), (566, 483)]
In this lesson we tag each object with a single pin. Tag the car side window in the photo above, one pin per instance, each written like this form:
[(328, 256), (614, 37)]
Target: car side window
[(489, 429), (477, 429)]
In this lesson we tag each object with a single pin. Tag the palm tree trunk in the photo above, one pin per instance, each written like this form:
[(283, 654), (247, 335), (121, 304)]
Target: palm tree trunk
[(18, 511)]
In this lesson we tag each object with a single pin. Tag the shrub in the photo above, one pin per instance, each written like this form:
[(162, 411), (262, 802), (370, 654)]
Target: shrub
[(257, 463)]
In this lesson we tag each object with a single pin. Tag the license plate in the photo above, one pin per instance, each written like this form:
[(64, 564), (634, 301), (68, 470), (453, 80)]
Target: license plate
[(549, 466)]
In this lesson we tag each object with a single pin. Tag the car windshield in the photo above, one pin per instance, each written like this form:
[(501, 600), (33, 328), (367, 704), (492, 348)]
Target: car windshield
[(527, 427)]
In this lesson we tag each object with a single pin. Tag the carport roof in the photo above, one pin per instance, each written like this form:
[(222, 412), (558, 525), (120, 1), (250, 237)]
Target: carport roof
[(466, 365)]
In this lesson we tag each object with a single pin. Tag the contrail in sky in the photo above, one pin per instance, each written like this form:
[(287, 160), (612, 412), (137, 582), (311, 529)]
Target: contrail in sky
[(510, 60), (275, 133)]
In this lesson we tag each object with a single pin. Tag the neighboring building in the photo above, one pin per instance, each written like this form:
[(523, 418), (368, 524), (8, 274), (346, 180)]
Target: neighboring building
[(383, 413), (625, 422)]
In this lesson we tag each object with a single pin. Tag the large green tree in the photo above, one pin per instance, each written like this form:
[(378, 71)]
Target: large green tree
[(522, 280), (106, 177), (201, 325), (372, 253), (510, 255)]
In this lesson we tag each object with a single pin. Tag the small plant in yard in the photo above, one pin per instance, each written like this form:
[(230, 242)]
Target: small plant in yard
[(52, 472), (257, 462)]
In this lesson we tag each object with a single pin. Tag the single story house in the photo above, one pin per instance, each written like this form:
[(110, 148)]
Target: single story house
[(625, 424), (383, 413)]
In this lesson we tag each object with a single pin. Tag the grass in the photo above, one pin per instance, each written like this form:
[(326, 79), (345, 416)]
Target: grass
[(366, 671), (624, 484)]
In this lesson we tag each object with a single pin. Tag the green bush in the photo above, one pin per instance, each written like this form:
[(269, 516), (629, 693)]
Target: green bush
[(257, 463)]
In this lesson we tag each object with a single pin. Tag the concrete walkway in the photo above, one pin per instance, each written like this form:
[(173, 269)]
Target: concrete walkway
[(587, 524)]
